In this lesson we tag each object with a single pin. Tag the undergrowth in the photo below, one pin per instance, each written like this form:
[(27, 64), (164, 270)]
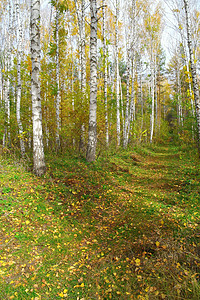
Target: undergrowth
[(124, 227)]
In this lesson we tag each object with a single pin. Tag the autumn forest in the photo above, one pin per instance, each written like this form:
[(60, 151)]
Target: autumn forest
[(99, 149)]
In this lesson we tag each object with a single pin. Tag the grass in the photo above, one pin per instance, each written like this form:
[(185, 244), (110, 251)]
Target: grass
[(124, 227)]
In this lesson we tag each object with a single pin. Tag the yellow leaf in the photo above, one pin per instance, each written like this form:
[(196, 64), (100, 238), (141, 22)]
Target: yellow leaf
[(61, 295), (157, 244), (137, 262), (82, 284), (27, 222)]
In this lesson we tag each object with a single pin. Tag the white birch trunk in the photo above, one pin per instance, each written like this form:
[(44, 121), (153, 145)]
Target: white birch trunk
[(178, 94), (6, 138), (193, 70), (81, 24), (122, 103), (58, 121), (125, 136), (29, 132), (186, 60), (83, 57), (156, 94), (19, 85), (38, 148), (105, 72), (142, 104), (152, 97), (92, 132), (83, 70), (117, 73), (72, 85), (133, 90), (130, 103)]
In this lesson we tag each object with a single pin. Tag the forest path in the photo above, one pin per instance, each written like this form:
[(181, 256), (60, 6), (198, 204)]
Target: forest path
[(125, 227)]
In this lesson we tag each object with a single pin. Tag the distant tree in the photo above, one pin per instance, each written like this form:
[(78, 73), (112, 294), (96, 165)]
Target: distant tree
[(80, 12), (105, 60), (58, 98), (19, 83), (117, 70)]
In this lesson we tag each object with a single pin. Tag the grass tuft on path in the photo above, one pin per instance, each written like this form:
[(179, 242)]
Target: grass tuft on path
[(124, 227)]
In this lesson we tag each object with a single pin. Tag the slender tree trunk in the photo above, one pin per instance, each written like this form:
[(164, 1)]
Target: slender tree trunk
[(125, 136), (2, 86), (142, 103), (133, 109), (38, 148), (133, 90), (105, 72), (81, 24), (130, 101), (179, 104), (6, 137), (186, 60), (156, 95), (58, 98), (83, 70), (152, 97), (122, 103), (193, 71), (117, 73), (83, 57), (19, 88), (92, 133)]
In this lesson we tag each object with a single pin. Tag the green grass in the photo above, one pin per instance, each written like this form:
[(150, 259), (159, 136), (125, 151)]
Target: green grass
[(124, 227)]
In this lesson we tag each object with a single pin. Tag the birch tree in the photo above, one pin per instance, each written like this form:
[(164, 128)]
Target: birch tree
[(131, 116), (153, 30), (193, 70), (181, 30), (131, 36), (6, 137), (105, 71), (80, 11), (117, 71), (58, 98), (128, 46), (38, 148), (92, 132), (19, 85)]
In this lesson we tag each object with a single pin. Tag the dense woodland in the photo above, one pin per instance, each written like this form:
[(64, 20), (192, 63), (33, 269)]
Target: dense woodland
[(99, 150), (90, 76)]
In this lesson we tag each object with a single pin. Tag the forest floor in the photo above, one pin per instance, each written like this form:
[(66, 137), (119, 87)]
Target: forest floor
[(124, 227)]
